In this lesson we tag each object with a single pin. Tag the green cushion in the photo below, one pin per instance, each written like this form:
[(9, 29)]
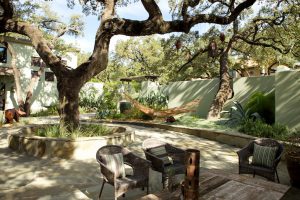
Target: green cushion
[(263, 155), (115, 163), (161, 153)]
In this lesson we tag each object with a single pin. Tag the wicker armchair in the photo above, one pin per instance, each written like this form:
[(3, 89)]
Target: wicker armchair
[(140, 177), (177, 155), (245, 167)]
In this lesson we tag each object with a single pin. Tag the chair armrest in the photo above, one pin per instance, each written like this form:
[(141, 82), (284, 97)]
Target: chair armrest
[(177, 154), (276, 161), (136, 161), (244, 155), (107, 174), (156, 162), (140, 165)]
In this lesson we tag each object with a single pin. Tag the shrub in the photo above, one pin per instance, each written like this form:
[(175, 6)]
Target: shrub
[(89, 100), (259, 128), (155, 100), (107, 106), (263, 104), (238, 115)]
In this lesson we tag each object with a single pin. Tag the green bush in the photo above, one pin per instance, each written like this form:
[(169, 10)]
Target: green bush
[(259, 128), (155, 100), (263, 104), (108, 103), (88, 100)]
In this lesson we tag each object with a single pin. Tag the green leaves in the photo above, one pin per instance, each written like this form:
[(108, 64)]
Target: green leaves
[(263, 104), (155, 100)]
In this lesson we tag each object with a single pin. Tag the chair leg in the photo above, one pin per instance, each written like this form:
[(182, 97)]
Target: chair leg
[(277, 175), (165, 181), (147, 188), (253, 174), (116, 198), (101, 188)]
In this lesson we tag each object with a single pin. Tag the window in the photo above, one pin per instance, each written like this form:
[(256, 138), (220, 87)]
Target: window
[(49, 76), (34, 73), (3, 55), (36, 62)]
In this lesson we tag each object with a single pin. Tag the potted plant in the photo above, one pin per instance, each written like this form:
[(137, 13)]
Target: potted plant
[(292, 156)]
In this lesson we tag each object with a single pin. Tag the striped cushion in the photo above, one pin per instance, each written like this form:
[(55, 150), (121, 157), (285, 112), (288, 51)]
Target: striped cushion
[(115, 163), (263, 155), (161, 152)]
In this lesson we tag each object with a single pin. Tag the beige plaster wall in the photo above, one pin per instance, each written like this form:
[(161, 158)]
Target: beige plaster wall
[(287, 98), (286, 85), (183, 92)]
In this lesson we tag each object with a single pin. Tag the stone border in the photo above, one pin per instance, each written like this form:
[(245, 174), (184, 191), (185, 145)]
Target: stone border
[(231, 138), (81, 148)]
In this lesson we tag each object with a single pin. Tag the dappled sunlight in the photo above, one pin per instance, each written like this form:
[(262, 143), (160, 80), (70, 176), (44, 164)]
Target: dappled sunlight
[(54, 178)]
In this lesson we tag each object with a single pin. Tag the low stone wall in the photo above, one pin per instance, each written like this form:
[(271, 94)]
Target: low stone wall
[(234, 139), (82, 148)]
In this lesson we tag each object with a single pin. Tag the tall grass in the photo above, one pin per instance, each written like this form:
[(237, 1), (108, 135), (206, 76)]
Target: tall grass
[(90, 130)]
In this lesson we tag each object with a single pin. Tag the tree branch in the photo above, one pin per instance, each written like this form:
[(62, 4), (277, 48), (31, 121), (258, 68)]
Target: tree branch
[(262, 44), (186, 4), (152, 9), (8, 10), (39, 43), (148, 27), (194, 56)]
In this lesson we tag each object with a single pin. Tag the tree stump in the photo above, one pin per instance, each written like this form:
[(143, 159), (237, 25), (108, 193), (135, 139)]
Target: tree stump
[(191, 181)]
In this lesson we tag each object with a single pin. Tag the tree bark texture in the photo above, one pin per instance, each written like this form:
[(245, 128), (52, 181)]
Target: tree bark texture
[(33, 82), (225, 91), (68, 94)]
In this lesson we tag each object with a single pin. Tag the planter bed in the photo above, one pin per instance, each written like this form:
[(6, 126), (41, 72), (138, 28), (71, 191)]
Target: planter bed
[(80, 148)]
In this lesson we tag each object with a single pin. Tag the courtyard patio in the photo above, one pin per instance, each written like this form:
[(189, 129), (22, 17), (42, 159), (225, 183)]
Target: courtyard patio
[(26, 177)]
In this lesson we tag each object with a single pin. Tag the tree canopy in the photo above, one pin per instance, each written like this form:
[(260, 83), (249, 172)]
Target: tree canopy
[(186, 14)]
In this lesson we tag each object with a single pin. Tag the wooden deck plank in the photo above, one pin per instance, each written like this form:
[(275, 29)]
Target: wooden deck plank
[(221, 185), (210, 184), (233, 190), (251, 181)]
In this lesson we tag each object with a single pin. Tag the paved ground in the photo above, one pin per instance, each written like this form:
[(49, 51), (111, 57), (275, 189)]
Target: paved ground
[(25, 177)]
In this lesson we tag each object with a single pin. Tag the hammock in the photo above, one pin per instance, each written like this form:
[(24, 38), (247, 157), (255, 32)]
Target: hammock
[(164, 113)]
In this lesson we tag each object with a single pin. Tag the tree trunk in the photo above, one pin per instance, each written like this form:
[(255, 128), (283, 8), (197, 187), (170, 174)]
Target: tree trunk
[(35, 78), (16, 75), (224, 91), (68, 95)]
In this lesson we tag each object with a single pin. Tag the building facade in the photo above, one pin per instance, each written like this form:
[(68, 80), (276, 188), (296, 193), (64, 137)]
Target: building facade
[(28, 63)]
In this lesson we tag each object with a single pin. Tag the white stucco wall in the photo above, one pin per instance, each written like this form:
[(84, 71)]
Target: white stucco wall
[(44, 93)]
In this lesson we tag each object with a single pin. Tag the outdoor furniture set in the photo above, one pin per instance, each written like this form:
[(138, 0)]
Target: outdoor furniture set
[(169, 161)]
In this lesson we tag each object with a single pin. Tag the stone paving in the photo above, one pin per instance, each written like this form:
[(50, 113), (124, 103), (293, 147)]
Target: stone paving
[(25, 177)]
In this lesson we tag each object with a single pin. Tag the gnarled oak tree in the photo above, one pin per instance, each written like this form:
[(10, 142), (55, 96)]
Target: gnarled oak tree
[(70, 81)]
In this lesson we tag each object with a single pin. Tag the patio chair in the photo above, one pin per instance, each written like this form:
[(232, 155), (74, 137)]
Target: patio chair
[(165, 158), (247, 167), (139, 178)]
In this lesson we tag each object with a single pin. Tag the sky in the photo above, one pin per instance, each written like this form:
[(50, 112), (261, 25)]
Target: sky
[(133, 11)]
